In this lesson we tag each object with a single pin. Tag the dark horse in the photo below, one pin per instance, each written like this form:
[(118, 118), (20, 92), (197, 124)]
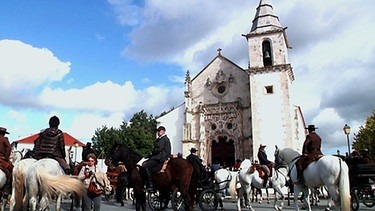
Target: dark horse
[(177, 174)]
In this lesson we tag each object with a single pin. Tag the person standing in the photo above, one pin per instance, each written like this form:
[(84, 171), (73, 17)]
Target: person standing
[(50, 144), (85, 175), (5, 165), (311, 150), (264, 163), (160, 153)]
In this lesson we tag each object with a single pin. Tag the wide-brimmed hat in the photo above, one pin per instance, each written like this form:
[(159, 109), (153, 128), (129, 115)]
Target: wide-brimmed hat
[(311, 127), (193, 150), (262, 146), (4, 130), (160, 128)]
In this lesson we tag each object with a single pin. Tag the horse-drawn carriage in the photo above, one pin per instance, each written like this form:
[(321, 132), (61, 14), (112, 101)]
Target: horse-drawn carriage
[(362, 185), (208, 194)]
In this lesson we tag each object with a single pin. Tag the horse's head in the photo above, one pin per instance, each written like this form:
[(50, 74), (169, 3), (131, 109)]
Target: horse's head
[(245, 164), (103, 183), (114, 154), (285, 156)]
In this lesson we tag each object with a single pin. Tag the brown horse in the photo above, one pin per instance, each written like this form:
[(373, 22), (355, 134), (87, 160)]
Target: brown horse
[(178, 174)]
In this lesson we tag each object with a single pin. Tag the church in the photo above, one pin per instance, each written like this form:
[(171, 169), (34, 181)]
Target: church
[(229, 111)]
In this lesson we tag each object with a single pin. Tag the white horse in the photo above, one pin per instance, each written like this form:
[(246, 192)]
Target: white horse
[(249, 177), (329, 171), (222, 179), (45, 178), (18, 184)]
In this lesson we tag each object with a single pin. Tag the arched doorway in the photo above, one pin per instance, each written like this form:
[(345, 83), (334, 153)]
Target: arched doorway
[(222, 150)]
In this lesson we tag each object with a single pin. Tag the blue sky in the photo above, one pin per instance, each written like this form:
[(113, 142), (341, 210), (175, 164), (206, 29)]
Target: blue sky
[(95, 63)]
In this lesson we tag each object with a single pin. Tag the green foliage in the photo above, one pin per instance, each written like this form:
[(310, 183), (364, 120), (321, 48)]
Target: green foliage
[(365, 139), (138, 134)]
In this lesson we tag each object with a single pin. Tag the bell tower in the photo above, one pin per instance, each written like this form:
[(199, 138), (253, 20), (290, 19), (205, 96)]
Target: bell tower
[(270, 76)]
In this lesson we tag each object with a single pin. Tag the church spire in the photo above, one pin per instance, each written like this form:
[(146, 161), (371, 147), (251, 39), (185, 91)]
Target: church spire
[(265, 19)]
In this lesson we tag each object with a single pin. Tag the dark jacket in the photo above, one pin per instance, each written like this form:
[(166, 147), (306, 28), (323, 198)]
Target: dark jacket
[(262, 157), (49, 144), (5, 148), (162, 149), (312, 144), (196, 162)]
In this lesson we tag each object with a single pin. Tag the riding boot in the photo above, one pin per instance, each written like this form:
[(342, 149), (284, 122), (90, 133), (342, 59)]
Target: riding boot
[(299, 172), (8, 186), (149, 184)]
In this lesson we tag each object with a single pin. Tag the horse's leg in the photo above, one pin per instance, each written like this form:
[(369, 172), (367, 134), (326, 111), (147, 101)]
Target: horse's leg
[(268, 196), (278, 190), (240, 194), (44, 202), (259, 192), (306, 197), (247, 190), (4, 200), (296, 194), (58, 202)]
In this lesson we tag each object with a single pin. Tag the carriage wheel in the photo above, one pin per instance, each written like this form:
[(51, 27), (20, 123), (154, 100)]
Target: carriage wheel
[(368, 199), (355, 200), (177, 201), (208, 200), (156, 202)]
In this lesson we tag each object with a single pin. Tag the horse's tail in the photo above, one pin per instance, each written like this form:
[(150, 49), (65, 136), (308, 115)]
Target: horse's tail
[(344, 187), (233, 186), (56, 184), (17, 193)]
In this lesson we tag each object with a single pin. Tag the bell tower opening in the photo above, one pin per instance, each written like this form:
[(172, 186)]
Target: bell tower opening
[(223, 151), (267, 53)]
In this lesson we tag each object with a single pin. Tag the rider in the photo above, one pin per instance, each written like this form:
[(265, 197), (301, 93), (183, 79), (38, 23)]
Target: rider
[(50, 144), (5, 165), (87, 150), (160, 153), (197, 163), (310, 151), (264, 163)]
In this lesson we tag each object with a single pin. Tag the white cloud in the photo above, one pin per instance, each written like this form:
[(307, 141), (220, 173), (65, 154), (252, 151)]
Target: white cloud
[(25, 67)]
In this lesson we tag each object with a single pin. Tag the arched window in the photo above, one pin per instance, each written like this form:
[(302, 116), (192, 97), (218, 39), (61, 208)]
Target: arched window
[(267, 53)]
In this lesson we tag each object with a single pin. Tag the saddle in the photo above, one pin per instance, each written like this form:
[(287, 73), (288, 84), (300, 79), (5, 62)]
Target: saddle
[(159, 168), (306, 160), (262, 173)]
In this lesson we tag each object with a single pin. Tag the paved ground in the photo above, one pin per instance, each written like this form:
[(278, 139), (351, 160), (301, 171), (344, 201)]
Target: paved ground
[(229, 204)]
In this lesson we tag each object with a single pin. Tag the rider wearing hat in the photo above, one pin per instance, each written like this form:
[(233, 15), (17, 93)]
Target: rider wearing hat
[(197, 163), (264, 163), (5, 165), (160, 153), (50, 144), (310, 151)]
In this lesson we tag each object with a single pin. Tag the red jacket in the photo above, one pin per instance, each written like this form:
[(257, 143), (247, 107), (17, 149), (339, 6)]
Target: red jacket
[(5, 147)]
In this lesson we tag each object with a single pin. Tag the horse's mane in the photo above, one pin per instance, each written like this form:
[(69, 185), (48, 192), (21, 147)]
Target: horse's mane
[(132, 155), (289, 153)]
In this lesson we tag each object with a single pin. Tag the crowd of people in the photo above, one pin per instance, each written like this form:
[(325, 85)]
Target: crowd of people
[(50, 144)]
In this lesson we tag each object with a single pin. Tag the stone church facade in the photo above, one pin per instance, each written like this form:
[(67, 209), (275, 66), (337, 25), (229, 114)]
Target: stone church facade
[(229, 111)]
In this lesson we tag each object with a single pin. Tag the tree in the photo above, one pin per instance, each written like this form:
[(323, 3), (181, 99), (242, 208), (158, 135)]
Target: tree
[(365, 139), (138, 134)]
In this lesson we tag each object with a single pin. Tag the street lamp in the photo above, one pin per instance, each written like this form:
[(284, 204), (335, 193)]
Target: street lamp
[(347, 132), (75, 152)]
